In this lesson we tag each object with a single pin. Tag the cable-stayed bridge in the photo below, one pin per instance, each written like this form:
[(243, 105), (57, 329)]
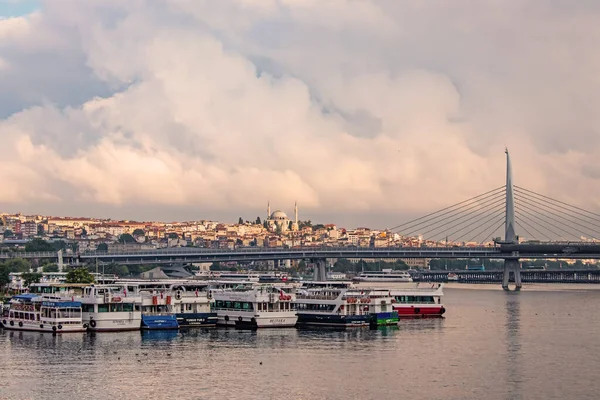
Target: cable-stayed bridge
[(486, 226)]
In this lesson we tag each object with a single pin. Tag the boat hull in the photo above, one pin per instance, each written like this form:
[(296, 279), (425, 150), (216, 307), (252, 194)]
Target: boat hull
[(42, 327), (191, 320), (242, 319), (333, 320), (113, 322), (420, 311), (384, 318), (159, 322)]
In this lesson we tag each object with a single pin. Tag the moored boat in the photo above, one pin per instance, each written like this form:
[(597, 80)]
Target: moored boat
[(31, 312), (261, 306), (386, 275), (329, 306), (114, 307), (191, 306), (156, 313), (419, 302)]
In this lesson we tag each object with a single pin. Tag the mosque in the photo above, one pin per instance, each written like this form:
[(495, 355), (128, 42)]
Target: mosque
[(280, 221)]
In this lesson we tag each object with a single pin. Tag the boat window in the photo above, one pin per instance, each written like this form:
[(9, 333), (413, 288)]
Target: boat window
[(102, 307), (128, 307), (87, 308)]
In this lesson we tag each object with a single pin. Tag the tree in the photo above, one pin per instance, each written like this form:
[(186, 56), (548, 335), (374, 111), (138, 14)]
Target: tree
[(83, 232), (40, 230), (215, 266), (126, 238), (30, 277), (39, 245), (8, 233), (139, 232), (18, 265), (102, 247), (4, 277), (80, 275), (240, 221), (173, 235), (50, 268), (258, 221)]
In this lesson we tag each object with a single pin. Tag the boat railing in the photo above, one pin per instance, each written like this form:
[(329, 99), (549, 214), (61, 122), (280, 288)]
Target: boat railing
[(315, 297)]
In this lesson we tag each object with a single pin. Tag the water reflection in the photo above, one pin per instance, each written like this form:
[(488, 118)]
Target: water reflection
[(167, 335), (513, 342)]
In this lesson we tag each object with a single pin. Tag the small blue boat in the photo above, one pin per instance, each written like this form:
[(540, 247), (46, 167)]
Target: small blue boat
[(159, 321)]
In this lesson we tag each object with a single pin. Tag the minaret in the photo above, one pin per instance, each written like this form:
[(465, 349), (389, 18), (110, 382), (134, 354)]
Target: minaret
[(268, 210), (296, 212)]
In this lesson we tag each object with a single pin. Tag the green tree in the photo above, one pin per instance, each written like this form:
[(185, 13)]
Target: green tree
[(40, 230), (30, 277), (8, 233), (173, 235), (50, 268), (216, 266), (4, 277), (139, 232), (18, 265), (83, 232), (126, 238), (80, 275), (240, 221), (38, 244), (258, 221), (102, 247), (59, 245)]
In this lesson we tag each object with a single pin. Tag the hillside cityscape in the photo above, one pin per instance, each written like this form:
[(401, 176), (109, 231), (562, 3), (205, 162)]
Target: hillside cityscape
[(19, 232)]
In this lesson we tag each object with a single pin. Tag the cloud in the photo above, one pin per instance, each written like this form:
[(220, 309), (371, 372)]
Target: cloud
[(369, 111)]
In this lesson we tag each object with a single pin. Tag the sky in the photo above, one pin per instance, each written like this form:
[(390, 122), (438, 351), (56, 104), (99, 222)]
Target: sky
[(367, 113)]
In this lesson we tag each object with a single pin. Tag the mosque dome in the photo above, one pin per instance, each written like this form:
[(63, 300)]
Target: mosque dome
[(279, 216)]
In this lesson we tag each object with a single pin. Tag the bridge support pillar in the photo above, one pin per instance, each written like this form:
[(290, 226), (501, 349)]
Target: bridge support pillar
[(511, 265), (319, 272)]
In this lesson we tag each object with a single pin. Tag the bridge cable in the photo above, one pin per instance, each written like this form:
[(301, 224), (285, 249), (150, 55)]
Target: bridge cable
[(520, 218), (465, 208), (488, 207), (532, 217), (495, 211), (486, 223), (549, 217), (538, 204), (447, 208), (561, 208), (492, 232), (517, 222), (560, 202)]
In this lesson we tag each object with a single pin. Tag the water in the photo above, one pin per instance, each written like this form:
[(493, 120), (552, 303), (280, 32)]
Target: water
[(536, 344)]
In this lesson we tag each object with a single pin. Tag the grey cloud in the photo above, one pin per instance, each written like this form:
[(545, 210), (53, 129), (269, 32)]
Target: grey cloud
[(233, 103)]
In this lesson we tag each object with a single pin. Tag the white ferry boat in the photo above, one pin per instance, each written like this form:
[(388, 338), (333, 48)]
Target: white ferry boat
[(192, 305), (386, 275), (179, 305), (419, 302), (32, 312), (330, 306), (114, 307), (452, 277), (261, 306)]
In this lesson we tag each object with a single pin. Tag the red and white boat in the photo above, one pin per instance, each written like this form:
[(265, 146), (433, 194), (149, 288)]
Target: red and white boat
[(418, 302)]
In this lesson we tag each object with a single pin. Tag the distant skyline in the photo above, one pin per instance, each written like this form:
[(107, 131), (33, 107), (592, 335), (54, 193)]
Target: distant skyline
[(368, 113)]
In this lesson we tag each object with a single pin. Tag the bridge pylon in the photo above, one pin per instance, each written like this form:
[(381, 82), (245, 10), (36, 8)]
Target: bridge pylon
[(510, 264)]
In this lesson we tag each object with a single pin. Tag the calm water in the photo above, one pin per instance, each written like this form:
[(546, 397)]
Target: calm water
[(492, 345)]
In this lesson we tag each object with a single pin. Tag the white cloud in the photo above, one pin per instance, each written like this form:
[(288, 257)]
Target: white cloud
[(366, 108)]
